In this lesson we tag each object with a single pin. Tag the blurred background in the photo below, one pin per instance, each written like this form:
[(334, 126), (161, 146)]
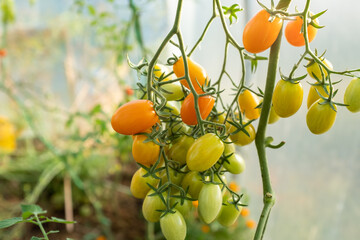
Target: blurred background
[(65, 72)]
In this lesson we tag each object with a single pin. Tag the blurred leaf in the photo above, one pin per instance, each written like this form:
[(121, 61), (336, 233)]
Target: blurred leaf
[(91, 10), (9, 222), (59, 220), (31, 209)]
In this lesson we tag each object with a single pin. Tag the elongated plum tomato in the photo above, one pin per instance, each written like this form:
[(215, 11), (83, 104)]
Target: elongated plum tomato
[(314, 69), (161, 70), (185, 207), (171, 91), (234, 163), (146, 153), (241, 138), (287, 98), (210, 201), (248, 102), (228, 213), (313, 95), (138, 185), (134, 117), (193, 182), (295, 36), (320, 117), (259, 34), (151, 204), (173, 226), (204, 152), (178, 150), (188, 113), (352, 95), (197, 73)]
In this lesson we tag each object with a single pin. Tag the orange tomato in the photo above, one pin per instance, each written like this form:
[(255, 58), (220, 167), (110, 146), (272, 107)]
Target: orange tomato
[(295, 36), (197, 73), (146, 153), (134, 117), (248, 102), (188, 113), (259, 34)]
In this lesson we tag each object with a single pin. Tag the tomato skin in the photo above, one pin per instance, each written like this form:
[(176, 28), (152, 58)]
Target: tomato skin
[(320, 117), (193, 181), (352, 95), (134, 117), (248, 102), (184, 208), (287, 98), (259, 34), (175, 177), (228, 213), (240, 138), (173, 91), (314, 69), (138, 185), (173, 226), (210, 201), (313, 96), (293, 33), (188, 112), (235, 164), (197, 74), (221, 185), (273, 117), (159, 70), (204, 152), (179, 148), (145, 153), (150, 205)]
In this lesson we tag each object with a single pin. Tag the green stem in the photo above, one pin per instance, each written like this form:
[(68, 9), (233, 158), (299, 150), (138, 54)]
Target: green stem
[(268, 198), (41, 227)]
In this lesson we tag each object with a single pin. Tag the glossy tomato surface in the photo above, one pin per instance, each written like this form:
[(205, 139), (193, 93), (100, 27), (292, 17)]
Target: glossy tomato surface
[(139, 184), (178, 150), (241, 138), (294, 34), (352, 95), (193, 182), (210, 201), (146, 153), (173, 226), (259, 33), (248, 102), (150, 206), (314, 69), (188, 112), (320, 117), (134, 117), (313, 95), (228, 213)]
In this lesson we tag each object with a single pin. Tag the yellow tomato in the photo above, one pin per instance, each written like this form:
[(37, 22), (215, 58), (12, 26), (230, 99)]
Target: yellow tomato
[(314, 69), (248, 102), (146, 153), (313, 96), (352, 95), (138, 185), (320, 117), (7, 136), (240, 138)]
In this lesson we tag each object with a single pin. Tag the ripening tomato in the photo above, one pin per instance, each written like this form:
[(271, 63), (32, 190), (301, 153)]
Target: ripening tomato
[(320, 117), (197, 73), (294, 34), (138, 185), (228, 213), (172, 91), (185, 207), (150, 206), (234, 163), (259, 34), (314, 69), (7, 136), (188, 113), (287, 98), (352, 95), (162, 70), (193, 181), (179, 149), (273, 117), (204, 152), (241, 138), (146, 153), (134, 117), (173, 226), (313, 96), (248, 102), (210, 201)]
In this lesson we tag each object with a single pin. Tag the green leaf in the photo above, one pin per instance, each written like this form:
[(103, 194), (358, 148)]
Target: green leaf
[(31, 209), (36, 238), (96, 109), (9, 222), (52, 232), (59, 220)]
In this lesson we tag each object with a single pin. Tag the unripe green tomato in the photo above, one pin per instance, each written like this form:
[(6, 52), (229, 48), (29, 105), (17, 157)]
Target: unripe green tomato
[(171, 108), (287, 98), (172, 91), (352, 95), (236, 164), (184, 208), (210, 201), (150, 206), (193, 181), (138, 186), (176, 128), (179, 149), (173, 226), (228, 213), (320, 117), (204, 152), (175, 177)]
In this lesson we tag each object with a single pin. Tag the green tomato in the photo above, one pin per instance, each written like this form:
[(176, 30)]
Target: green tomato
[(138, 185), (210, 201), (150, 206), (175, 176), (173, 226), (235, 164), (204, 152), (179, 149), (193, 181), (221, 185), (352, 95), (185, 207), (228, 213), (172, 91), (241, 138)]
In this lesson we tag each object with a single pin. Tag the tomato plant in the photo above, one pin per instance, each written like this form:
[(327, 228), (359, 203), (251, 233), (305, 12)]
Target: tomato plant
[(352, 95), (287, 98), (261, 32), (321, 116), (294, 32), (188, 112), (140, 116)]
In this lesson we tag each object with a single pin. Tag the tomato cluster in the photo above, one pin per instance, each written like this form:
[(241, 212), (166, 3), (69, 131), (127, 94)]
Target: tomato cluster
[(180, 164)]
